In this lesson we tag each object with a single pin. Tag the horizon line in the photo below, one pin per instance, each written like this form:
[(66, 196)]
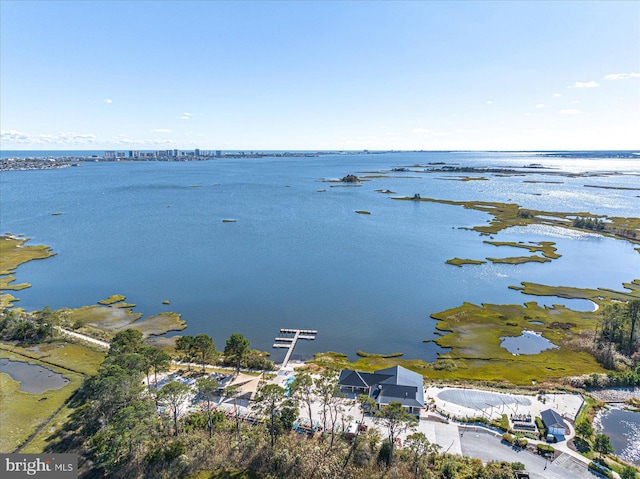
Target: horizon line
[(256, 150)]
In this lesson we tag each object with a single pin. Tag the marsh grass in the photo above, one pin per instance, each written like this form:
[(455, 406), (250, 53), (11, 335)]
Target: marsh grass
[(519, 260), (74, 357), (159, 324), (114, 298), (362, 354), (473, 335), (98, 319), (7, 300), (41, 441), (510, 214), (459, 262), (22, 413), (13, 253)]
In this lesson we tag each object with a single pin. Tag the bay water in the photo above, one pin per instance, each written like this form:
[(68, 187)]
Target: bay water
[(299, 257)]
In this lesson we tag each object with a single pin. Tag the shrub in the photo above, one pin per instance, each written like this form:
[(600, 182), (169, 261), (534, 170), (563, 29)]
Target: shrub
[(540, 426), (384, 452), (508, 438), (504, 423), (545, 449), (445, 365), (174, 450), (522, 442), (600, 469)]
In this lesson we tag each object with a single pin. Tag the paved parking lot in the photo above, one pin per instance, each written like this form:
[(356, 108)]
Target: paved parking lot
[(487, 447)]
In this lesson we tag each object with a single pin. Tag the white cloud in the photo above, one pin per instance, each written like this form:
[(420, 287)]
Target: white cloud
[(108, 100), (575, 102), (429, 133), (489, 102), (569, 112), (585, 84), (160, 130), (13, 136), (621, 76), (557, 95), (540, 105), (185, 116), (74, 139)]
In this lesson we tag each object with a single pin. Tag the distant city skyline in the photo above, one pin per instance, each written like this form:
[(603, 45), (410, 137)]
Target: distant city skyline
[(261, 76)]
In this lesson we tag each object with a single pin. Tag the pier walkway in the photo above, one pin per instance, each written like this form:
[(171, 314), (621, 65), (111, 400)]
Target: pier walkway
[(290, 341)]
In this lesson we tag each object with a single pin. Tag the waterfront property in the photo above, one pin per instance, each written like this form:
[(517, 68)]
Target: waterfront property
[(387, 385)]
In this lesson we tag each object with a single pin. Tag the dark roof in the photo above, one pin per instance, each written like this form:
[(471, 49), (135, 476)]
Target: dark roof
[(550, 418), (387, 385), (351, 378)]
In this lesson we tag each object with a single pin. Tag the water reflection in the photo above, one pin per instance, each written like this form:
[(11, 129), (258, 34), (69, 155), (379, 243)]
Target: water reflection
[(623, 428), (529, 343), (33, 378)]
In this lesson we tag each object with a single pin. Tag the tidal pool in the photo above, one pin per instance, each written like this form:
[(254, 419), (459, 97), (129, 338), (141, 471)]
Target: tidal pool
[(33, 378), (623, 428), (529, 343)]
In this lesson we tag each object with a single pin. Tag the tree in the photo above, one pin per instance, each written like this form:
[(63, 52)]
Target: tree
[(112, 389), (418, 444), (46, 321), (633, 313), (366, 404), (288, 414), (236, 350), (159, 361), (584, 429), (602, 444), (302, 388), (207, 389), (204, 348), (186, 346), (326, 387), (234, 392), (269, 398), (173, 395), (628, 472), (127, 341), (395, 418)]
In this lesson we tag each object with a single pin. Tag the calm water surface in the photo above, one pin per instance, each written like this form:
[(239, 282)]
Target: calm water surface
[(623, 428), (33, 378), (300, 258)]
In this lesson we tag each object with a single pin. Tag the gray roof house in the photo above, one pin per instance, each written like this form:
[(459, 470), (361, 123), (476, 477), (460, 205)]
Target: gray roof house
[(554, 423), (387, 385)]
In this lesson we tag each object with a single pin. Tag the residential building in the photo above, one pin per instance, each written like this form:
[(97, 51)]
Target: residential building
[(387, 385)]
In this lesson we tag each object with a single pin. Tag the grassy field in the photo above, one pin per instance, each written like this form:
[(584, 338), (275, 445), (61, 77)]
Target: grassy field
[(22, 413)]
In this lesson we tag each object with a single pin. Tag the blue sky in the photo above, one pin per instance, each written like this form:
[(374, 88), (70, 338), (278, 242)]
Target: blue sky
[(320, 75)]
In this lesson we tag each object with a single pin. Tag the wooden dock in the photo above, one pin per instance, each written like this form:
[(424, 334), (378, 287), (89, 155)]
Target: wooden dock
[(289, 342)]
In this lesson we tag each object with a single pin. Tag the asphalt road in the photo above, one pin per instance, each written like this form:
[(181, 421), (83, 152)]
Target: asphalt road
[(487, 447)]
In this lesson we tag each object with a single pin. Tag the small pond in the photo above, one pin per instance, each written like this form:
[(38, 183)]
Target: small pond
[(529, 343), (33, 378), (623, 428)]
